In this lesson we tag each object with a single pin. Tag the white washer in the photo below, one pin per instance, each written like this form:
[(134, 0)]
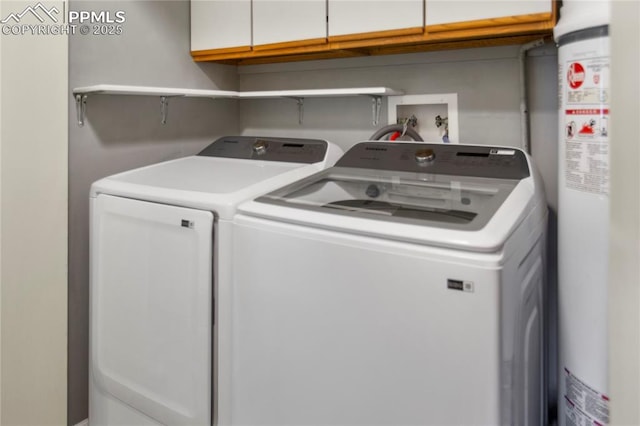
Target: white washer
[(160, 258), (401, 287)]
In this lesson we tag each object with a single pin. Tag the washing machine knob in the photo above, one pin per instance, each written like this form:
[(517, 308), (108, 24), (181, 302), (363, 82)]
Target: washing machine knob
[(373, 191), (425, 155), (260, 147)]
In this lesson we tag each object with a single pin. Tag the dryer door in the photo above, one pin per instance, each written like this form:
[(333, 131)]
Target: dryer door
[(151, 298)]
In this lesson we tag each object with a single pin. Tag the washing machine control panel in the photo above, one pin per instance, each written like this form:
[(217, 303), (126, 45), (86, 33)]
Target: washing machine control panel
[(460, 160), (306, 151)]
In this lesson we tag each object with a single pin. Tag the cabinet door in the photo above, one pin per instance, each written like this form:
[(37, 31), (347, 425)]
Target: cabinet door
[(360, 17), (220, 24), (445, 11), (290, 22)]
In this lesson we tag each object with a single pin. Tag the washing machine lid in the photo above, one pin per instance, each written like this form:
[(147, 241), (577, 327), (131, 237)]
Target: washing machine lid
[(444, 194), (454, 202), (227, 172)]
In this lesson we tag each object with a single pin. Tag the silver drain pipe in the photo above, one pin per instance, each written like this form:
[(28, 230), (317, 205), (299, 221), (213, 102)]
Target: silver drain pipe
[(524, 101)]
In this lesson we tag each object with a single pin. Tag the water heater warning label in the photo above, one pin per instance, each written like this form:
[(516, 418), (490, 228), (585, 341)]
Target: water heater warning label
[(585, 102), (584, 406)]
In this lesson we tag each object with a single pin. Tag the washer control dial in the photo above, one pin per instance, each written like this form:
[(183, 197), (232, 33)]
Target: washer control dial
[(260, 147), (426, 155)]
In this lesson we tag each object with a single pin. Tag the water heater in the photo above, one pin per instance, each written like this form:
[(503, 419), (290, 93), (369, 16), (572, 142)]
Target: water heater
[(582, 35)]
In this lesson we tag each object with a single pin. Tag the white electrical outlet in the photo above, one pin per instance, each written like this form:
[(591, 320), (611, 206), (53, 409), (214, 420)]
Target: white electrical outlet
[(426, 108)]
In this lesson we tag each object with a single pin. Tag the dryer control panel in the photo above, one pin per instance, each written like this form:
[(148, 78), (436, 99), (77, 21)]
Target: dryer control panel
[(305, 151), (460, 160)]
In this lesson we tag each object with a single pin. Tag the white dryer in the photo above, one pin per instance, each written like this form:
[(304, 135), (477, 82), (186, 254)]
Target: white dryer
[(401, 287), (160, 273)]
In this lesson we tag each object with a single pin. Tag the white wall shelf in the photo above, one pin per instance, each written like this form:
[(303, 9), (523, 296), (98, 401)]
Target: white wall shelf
[(320, 93), (376, 94), (112, 89), (81, 95)]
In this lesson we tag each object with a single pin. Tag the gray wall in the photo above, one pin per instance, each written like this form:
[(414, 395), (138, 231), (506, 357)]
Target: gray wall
[(486, 81), (123, 132)]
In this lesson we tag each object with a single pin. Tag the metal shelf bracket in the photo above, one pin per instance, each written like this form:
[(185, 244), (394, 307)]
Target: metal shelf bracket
[(376, 104), (81, 108), (164, 109), (300, 102)]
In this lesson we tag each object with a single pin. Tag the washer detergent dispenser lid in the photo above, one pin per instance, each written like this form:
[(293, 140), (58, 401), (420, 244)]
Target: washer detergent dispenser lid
[(448, 187)]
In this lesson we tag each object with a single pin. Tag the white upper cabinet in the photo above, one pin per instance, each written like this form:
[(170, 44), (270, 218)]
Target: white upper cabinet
[(281, 21), (447, 11), (220, 24), (262, 31), (360, 16)]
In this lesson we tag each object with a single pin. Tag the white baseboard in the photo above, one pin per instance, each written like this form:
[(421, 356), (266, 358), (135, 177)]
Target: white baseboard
[(85, 422)]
